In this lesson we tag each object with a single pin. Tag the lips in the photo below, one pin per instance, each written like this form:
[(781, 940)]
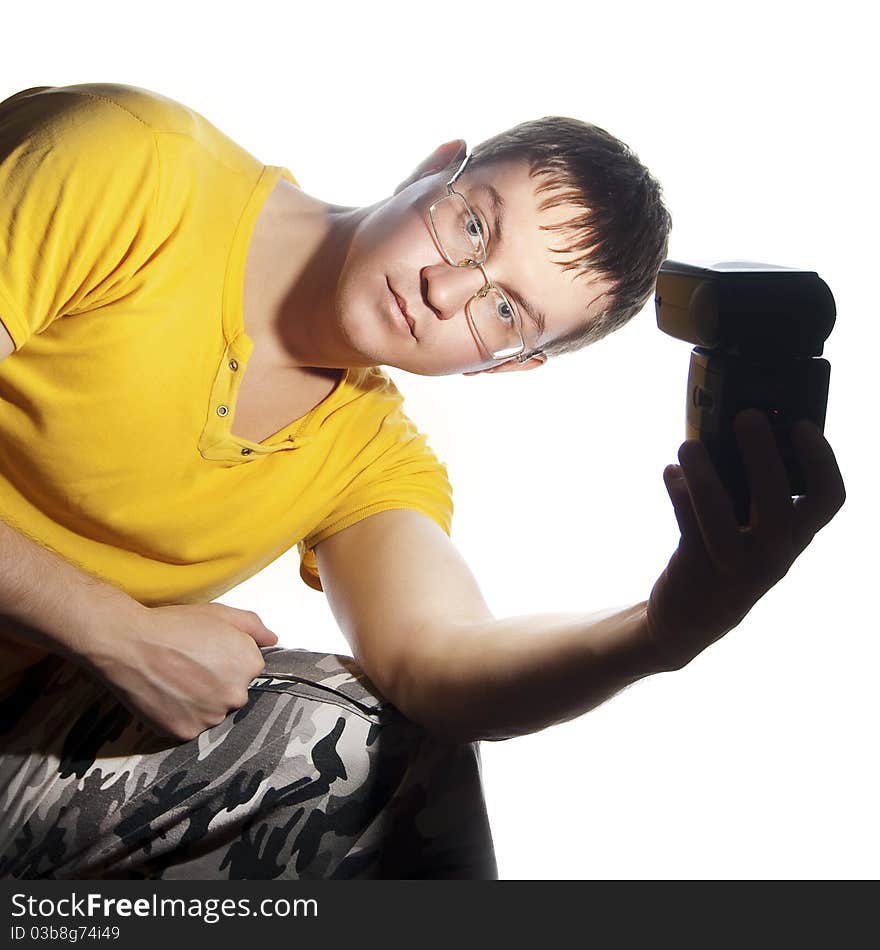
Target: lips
[(401, 303)]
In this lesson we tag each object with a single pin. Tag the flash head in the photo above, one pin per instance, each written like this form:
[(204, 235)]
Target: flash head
[(759, 330), (745, 308)]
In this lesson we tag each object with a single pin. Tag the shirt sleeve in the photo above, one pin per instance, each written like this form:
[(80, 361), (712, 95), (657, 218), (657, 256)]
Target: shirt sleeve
[(78, 190), (408, 474)]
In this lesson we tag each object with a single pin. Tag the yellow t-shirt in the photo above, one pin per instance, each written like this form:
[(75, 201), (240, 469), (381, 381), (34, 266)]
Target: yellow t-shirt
[(125, 219)]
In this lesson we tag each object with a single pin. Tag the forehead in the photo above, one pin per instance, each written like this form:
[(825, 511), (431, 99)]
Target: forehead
[(529, 258)]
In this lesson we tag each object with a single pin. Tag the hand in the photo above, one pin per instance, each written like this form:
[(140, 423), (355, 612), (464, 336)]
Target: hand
[(183, 668), (721, 569)]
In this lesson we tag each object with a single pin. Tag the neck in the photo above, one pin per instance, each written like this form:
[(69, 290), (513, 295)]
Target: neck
[(296, 255)]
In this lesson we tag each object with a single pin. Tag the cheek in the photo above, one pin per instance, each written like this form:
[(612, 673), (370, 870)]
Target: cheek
[(395, 226), (398, 247)]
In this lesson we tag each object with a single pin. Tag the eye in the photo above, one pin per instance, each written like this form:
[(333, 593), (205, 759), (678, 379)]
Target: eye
[(474, 229), (504, 311)]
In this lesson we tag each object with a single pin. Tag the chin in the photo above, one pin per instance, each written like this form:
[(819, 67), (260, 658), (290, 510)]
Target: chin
[(359, 338), (366, 331), (434, 370)]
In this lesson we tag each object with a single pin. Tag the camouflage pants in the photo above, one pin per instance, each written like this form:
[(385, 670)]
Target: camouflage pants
[(316, 777)]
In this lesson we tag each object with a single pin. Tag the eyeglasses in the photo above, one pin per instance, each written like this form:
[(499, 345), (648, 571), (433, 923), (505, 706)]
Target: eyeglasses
[(458, 232)]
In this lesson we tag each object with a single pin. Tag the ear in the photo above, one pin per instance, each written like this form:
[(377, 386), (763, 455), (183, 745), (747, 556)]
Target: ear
[(440, 158), (511, 366)]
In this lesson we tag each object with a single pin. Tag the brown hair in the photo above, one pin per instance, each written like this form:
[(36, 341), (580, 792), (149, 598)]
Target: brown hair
[(622, 232)]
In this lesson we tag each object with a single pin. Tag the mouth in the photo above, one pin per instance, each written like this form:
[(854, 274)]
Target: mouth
[(401, 306)]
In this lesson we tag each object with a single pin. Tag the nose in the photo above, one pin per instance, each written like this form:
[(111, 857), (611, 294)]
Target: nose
[(447, 289)]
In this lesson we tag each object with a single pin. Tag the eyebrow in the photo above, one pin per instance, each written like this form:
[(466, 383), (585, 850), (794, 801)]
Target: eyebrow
[(536, 315)]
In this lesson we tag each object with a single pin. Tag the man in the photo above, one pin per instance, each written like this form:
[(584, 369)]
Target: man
[(120, 372)]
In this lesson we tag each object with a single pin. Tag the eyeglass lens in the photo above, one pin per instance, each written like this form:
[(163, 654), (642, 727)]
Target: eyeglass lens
[(460, 235)]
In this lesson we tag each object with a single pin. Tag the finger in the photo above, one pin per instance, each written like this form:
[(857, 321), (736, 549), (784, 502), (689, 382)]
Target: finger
[(249, 622), (769, 487), (712, 507), (263, 636), (826, 492), (676, 488)]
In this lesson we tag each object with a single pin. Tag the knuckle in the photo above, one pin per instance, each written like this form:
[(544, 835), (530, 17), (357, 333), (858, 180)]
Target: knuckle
[(209, 722), (779, 557), (826, 514), (771, 569), (236, 698), (781, 569), (230, 699)]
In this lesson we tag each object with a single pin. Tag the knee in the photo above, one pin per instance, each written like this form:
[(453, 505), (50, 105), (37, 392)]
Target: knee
[(345, 715), (429, 794), (331, 672)]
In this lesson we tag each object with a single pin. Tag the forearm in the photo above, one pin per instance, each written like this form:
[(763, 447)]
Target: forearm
[(514, 676), (47, 603)]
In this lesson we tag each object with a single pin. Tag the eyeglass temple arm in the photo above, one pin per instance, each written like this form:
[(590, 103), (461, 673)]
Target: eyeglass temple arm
[(457, 175)]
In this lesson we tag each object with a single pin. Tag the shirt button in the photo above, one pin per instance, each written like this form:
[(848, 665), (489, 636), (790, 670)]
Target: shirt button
[(246, 451), (233, 365), (222, 410)]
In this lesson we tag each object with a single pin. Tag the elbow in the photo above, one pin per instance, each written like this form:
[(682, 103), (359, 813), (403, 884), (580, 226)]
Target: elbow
[(421, 694), (426, 680), (402, 683), (446, 729), (421, 704), (442, 714)]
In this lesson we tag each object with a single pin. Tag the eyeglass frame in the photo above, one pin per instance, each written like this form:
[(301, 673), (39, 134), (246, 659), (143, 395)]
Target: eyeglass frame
[(524, 354)]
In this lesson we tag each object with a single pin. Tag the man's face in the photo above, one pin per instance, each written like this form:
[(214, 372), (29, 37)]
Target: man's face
[(393, 256)]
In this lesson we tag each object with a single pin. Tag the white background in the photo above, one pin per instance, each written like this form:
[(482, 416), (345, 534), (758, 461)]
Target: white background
[(758, 760)]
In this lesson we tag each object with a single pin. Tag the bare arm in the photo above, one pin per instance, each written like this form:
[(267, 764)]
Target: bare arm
[(47, 603), (178, 668), (421, 630), (517, 675)]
